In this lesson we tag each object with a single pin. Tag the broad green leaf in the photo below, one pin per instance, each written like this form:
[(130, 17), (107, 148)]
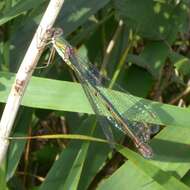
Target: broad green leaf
[(19, 9), (59, 171), (152, 19), (160, 152), (165, 180), (97, 156), (128, 175), (69, 166), (142, 166), (74, 176), (134, 80), (181, 63), (154, 55), (171, 154), (186, 178), (3, 176), (68, 96), (75, 13), (171, 148), (16, 148)]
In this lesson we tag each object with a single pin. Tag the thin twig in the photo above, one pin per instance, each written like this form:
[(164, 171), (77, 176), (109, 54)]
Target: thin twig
[(24, 74), (122, 61), (184, 93), (111, 46)]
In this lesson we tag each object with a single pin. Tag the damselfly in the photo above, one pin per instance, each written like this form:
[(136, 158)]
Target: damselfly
[(109, 108)]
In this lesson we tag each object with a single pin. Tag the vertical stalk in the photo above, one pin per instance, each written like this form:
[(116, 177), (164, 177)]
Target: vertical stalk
[(24, 74)]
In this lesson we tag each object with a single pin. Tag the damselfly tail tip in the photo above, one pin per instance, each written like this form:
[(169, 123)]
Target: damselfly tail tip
[(145, 150)]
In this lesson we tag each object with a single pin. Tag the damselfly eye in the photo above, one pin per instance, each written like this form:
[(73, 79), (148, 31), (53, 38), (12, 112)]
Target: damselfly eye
[(58, 32), (54, 32), (50, 32)]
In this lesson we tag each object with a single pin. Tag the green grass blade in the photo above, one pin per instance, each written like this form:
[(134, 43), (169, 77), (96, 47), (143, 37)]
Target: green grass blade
[(68, 96), (165, 180), (19, 9), (69, 166), (73, 178)]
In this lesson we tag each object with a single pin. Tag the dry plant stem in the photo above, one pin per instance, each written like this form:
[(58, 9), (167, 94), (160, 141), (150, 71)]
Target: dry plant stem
[(184, 93), (26, 157), (39, 178), (111, 45), (24, 74)]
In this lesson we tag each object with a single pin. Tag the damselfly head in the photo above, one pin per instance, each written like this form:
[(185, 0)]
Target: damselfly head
[(58, 32), (54, 32)]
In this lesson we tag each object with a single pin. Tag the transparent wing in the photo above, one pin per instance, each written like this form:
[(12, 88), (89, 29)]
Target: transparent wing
[(107, 103), (98, 108), (128, 105), (102, 114), (138, 131), (91, 77)]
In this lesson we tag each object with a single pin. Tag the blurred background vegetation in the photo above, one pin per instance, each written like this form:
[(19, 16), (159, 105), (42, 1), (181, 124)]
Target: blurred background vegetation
[(150, 59)]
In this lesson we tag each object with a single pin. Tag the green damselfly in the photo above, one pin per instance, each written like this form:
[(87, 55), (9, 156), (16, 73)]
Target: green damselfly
[(106, 105)]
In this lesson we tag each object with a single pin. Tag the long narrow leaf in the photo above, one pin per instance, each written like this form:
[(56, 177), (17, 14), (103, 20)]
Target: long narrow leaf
[(68, 96)]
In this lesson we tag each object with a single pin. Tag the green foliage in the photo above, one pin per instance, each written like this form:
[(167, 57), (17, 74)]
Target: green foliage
[(155, 41)]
